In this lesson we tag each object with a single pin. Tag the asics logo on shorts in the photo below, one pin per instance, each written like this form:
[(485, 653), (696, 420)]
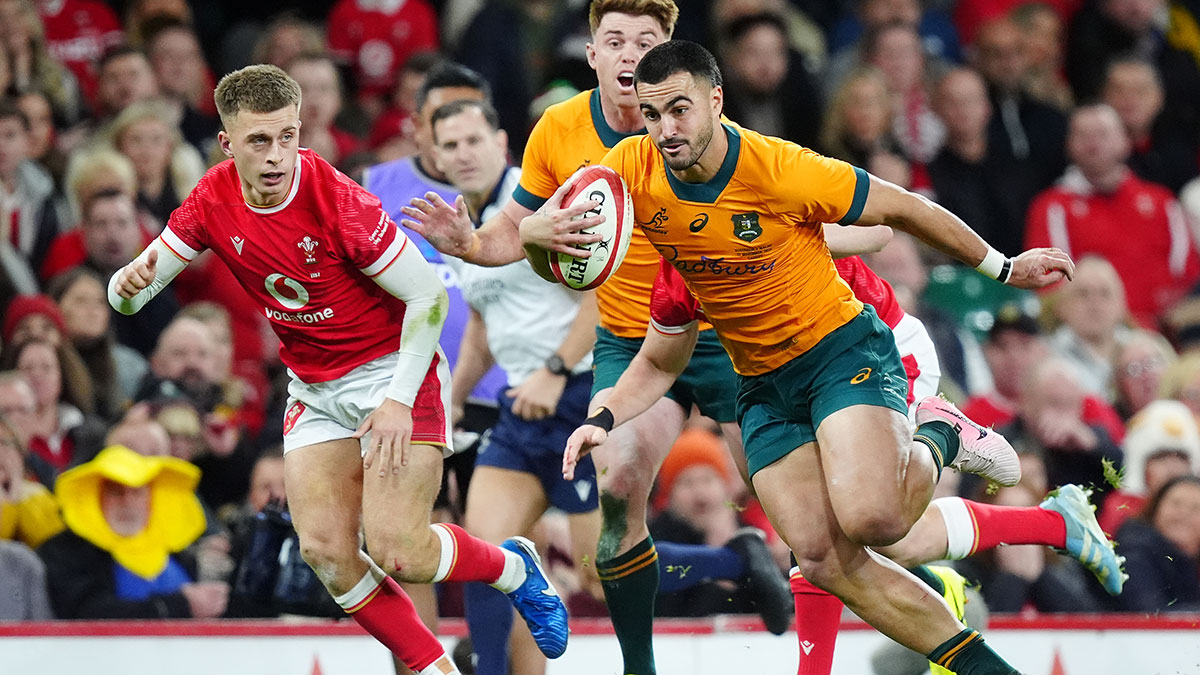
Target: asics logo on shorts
[(861, 376)]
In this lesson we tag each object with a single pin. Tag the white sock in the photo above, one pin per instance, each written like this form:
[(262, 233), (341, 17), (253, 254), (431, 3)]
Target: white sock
[(960, 527), (443, 666), (363, 589), (513, 575)]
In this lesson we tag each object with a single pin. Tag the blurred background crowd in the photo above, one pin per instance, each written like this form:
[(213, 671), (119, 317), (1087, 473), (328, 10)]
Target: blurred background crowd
[(1073, 123)]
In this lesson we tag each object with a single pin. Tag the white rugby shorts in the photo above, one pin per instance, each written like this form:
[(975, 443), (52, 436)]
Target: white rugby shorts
[(920, 360), (328, 411)]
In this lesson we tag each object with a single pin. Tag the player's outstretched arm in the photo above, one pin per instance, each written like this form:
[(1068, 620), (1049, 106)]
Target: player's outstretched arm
[(137, 283), (647, 378), (906, 211), (449, 228), (411, 279), (845, 241)]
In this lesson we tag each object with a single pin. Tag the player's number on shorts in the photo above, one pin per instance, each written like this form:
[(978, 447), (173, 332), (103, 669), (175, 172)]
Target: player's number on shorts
[(276, 280)]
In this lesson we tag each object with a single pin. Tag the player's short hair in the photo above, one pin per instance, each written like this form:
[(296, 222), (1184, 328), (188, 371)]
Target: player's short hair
[(677, 56), (450, 74), (258, 89), (462, 105), (9, 110), (665, 12)]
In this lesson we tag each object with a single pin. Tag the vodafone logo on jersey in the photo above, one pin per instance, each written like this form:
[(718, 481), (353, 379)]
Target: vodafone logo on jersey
[(292, 295)]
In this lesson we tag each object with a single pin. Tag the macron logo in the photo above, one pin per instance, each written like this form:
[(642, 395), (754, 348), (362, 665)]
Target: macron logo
[(237, 243), (807, 647), (583, 488)]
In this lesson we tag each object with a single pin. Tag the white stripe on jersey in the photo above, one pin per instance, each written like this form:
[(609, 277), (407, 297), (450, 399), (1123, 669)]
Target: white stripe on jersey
[(671, 330), (389, 254), (173, 242)]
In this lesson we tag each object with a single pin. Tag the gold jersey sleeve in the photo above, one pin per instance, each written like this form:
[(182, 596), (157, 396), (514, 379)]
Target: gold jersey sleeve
[(571, 135), (749, 242)]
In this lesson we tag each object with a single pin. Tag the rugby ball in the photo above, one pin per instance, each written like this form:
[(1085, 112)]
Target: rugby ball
[(606, 187)]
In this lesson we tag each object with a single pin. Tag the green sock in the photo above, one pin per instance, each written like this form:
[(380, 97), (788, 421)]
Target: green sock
[(942, 441), (630, 583), (929, 578), (967, 654)]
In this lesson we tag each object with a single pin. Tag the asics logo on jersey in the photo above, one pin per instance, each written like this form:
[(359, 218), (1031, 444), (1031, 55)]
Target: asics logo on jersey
[(861, 376), (699, 223)]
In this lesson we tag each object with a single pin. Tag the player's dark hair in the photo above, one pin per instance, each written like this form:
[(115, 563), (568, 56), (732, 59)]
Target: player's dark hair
[(451, 74), (257, 89), (677, 56), (462, 105), (9, 110)]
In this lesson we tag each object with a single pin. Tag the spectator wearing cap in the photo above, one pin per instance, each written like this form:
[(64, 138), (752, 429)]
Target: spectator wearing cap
[(1162, 550), (697, 485), (1013, 346), (1163, 442), (38, 318), (129, 518)]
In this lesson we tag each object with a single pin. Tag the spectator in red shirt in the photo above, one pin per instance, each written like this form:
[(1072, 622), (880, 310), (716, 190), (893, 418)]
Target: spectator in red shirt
[(1099, 206), (322, 101), (78, 33), (376, 37)]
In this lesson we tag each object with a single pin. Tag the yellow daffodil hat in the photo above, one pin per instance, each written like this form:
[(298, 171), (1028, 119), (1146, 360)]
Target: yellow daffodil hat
[(176, 517)]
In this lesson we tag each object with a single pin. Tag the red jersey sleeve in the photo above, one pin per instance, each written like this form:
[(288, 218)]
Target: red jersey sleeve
[(185, 233), (673, 308), (871, 289), (369, 236)]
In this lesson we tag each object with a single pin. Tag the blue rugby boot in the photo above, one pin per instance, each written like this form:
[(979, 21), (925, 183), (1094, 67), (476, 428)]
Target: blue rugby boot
[(1086, 542), (537, 601)]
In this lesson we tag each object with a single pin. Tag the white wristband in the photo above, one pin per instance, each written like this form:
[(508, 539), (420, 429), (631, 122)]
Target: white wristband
[(995, 265)]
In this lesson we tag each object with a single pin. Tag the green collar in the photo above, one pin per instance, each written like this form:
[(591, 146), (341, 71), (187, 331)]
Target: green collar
[(707, 192), (608, 136)]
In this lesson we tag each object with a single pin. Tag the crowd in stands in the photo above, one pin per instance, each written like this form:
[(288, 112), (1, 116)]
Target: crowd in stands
[(140, 462)]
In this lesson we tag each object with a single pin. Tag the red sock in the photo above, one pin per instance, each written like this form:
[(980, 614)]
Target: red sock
[(818, 614), (386, 612), (972, 527), (466, 558)]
